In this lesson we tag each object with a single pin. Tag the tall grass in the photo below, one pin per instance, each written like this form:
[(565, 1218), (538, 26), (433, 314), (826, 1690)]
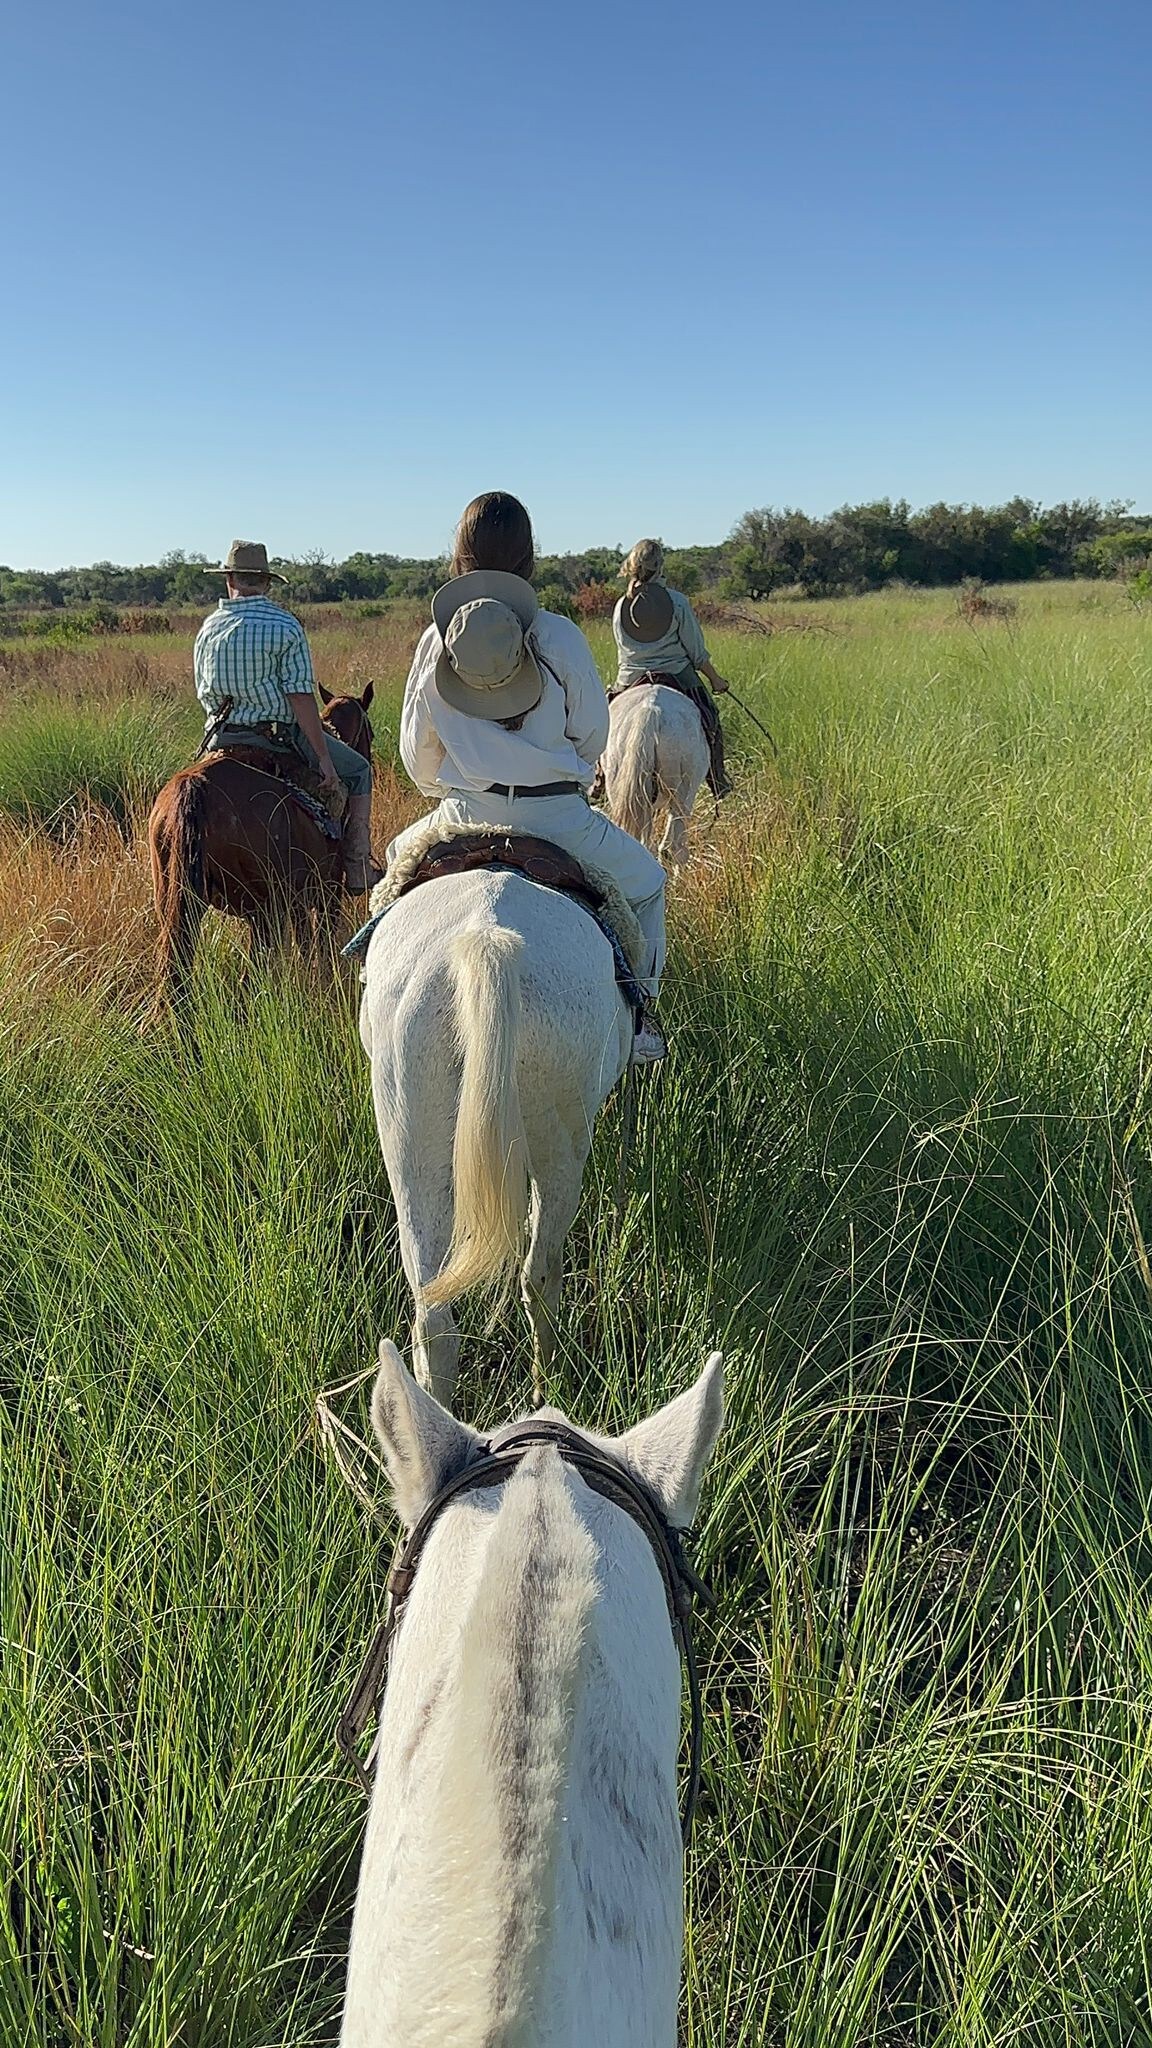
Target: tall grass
[(898, 1164), (57, 759)]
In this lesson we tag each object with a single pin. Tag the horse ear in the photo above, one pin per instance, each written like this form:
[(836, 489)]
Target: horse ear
[(670, 1450), (369, 693), (325, 695), (423, 1445)]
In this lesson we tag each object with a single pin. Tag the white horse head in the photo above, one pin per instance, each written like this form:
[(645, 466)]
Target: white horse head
[(654, 763), (522, 1877), (495, 1030)]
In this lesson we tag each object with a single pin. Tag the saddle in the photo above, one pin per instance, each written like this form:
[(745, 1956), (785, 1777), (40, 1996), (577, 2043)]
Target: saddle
[(538, 860), (301, 781)]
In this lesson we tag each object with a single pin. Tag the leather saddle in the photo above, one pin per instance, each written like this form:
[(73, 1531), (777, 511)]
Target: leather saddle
[(537, 859)]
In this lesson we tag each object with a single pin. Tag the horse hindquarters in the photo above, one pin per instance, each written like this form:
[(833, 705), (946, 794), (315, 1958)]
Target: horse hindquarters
[(175, 840), (455, 1155), (656, 760)]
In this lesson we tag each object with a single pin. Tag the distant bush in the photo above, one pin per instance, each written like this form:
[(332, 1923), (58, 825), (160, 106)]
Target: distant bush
[(595, 600), (554, 598), (734, 618), (141, 620), (1116, 554), (974, 603)]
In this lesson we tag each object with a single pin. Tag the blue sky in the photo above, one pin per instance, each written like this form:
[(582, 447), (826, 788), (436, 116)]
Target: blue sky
[(318, 275)]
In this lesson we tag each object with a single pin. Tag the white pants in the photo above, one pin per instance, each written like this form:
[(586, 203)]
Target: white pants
[(571, 823)]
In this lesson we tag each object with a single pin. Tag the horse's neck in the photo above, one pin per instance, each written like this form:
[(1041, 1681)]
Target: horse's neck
[(521, 1877)]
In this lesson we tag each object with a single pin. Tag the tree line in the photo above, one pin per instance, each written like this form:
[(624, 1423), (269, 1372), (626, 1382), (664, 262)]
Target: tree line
[(856, 548)]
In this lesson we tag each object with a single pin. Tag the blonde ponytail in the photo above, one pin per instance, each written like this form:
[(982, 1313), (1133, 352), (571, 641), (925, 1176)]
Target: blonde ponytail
[(643, 565)]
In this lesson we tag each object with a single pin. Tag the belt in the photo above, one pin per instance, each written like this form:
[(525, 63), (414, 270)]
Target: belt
[(518, 789)]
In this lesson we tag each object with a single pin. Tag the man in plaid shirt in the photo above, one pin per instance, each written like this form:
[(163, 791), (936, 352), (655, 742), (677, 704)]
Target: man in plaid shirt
[(255, 681)]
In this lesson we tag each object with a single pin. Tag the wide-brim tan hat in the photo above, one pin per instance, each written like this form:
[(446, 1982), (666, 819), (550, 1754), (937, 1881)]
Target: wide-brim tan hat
[(485, 667), (647, 615), (247, 558)]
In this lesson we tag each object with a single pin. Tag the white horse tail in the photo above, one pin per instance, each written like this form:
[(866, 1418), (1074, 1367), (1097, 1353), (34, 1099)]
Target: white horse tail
[(489, 1152), (635, 785)]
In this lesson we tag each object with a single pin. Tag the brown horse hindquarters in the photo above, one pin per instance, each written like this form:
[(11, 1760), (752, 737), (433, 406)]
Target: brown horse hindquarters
[(226, 836)]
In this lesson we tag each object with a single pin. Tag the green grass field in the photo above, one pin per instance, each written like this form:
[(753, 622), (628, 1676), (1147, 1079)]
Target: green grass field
[(898, 1165)]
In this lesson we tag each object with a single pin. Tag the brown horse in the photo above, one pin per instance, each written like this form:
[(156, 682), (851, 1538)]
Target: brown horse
[(224, 835)]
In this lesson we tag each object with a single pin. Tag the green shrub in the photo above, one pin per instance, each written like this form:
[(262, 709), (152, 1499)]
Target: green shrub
[(554, 598)]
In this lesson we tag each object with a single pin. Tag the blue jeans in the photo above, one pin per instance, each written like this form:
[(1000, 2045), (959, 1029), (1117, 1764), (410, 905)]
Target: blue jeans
[(354, 771)]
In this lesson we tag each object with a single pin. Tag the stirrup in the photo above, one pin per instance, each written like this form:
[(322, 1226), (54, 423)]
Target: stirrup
[(649, 1043)]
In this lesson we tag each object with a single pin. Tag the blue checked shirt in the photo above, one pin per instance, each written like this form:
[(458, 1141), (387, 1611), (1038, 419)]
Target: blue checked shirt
[(255, 652)]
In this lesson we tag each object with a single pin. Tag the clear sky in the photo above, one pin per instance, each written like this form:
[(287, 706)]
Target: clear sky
[(318, 274)]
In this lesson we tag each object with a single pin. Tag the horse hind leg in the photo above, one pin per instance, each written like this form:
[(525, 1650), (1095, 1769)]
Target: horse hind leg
[(435, 1347), (436, 1351), (271, 926), (555, 1201), (324, 929), (673, 847), (176, 951), (420, 1175), (680, 794)]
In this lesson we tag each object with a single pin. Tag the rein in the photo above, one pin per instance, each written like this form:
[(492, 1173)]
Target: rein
[(494, 1462)]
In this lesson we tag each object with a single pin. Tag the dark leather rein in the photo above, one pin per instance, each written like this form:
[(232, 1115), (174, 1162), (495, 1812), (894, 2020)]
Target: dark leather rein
[(493, 1463)]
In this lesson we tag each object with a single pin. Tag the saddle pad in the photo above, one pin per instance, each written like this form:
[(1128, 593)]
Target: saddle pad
[(525, 854)]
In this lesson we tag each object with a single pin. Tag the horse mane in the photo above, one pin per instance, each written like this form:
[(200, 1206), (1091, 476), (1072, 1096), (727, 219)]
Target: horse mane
[(497, 1756)]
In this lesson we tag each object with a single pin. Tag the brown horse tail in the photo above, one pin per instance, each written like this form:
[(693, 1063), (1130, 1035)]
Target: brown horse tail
[(176, 832)]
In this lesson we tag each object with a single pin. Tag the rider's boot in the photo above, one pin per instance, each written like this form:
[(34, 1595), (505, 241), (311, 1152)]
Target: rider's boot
[(360, 870), (649, 1042), (718, 778)]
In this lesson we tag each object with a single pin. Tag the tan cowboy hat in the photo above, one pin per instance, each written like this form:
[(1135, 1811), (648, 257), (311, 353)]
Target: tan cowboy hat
[(648, 615), (485, 668), (247, 558)]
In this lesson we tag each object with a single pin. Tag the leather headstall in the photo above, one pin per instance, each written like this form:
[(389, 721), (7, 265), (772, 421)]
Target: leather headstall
[(494, 1461)]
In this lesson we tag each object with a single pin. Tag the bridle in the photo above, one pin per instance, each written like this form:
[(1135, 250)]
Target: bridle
[(494, 1461), (363, 728)]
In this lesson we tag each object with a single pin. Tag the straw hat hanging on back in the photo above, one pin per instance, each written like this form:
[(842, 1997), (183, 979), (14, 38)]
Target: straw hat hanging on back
[(647, 612), (486, 669)]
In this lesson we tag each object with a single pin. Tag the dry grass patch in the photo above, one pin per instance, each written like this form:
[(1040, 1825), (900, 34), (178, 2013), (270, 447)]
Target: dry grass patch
[(77, 916)]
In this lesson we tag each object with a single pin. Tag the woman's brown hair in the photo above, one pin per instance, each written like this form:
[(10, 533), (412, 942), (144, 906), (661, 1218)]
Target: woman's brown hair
[(495, 532)]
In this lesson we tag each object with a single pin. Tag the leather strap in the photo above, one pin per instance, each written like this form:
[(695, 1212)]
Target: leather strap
[(493, 1463)]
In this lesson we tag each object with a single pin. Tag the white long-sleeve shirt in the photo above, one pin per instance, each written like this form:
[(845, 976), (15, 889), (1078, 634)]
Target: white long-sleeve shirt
[(561, 738)]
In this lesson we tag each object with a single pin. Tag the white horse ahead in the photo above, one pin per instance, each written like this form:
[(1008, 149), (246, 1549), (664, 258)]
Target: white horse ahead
[(522, 1878), (654, 763), (495, 1031)]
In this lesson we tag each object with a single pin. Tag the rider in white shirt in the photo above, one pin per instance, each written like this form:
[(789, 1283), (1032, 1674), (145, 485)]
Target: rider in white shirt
[(505, 718)]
